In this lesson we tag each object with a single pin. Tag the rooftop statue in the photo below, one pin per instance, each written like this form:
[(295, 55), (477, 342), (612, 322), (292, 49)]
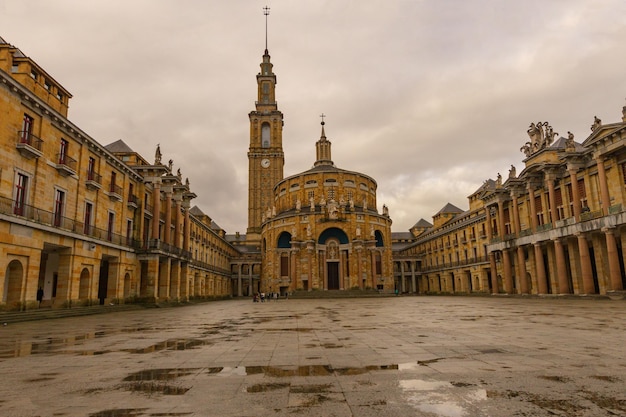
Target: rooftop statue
[(157, 155), (541, 136)]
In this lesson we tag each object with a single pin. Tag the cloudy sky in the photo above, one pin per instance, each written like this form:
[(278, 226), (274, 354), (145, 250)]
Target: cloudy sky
[(429, 97)]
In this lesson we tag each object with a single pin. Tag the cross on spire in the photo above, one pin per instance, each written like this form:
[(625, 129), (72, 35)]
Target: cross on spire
[(266, 12), (322, 116)]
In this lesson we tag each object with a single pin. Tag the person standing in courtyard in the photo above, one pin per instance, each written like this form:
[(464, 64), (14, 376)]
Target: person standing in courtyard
[(39, 297)]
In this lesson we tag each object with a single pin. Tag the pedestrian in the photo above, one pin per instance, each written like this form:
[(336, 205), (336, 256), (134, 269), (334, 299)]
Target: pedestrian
[(39, 297)]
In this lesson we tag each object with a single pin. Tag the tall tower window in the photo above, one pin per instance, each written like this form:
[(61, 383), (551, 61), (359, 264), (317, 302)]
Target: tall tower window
[(266, 92), (265, 135)]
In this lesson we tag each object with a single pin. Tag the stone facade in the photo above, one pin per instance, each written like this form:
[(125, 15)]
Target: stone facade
[(324, 231), (87, 223), (556, 228)]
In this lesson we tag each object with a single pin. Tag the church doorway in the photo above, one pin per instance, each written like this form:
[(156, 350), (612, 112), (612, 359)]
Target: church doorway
[(333, 275)]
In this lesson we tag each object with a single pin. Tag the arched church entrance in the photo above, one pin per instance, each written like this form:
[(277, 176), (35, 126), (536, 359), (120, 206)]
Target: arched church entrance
[(335, 260)]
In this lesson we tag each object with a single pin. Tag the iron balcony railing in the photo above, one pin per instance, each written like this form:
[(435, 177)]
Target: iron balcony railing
[(94, 176), (57, 220), (29, 139), (448, 265), (68, 161), (157, 245)]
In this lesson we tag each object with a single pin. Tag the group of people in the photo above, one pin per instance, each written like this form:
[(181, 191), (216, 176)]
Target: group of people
[(262, 297)]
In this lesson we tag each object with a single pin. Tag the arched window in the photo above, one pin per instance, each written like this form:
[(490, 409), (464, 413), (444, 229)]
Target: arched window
[(265, 135), (379, 238), (284, 240)]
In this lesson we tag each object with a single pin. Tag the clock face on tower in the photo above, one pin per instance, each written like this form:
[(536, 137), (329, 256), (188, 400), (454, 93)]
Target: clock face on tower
[(265, 163)]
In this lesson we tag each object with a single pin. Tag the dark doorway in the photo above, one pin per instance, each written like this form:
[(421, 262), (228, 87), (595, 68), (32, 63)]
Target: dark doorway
[(333, 275), (103, 281)]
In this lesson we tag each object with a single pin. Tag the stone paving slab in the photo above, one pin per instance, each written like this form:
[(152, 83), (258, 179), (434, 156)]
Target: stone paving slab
[(397, 356)]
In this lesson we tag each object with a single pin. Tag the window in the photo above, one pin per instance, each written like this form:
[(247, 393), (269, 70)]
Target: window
[(129, 231), (560, 211), (113, 178), (59, 206), (91, 167), (284, 265), (47, 85), (27, 129), (539, 208), (265, 135), (110, 225), (21, 187), (266, 93), (33, 74), (63, 151), (88, 218), (582, 193)]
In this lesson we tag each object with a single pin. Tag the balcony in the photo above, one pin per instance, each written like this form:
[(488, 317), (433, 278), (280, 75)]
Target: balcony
[(115, 192), (29, 145), (147, 209), (65, 165), (94, 181), (47, 218), (132, 202)]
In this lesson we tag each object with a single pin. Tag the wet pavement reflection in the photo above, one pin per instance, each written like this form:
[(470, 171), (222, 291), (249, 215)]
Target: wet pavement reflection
[(358, 357)]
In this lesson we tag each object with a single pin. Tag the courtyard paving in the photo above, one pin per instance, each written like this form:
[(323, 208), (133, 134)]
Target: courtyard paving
[(393, 356)]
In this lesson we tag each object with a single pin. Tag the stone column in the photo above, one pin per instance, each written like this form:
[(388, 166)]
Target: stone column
[(521, 269), (177, 221), (533, 207), (402, 282), (167, 231), (494, 273), (156, 203), (501, 219), (164, 279), (413, 282), (516, 222), (575, 194), (542, 283), (615, 272), (324, 270), (250, 289), (604, 189), (175, 280), (585, 265), (551, 197), (488, 220), (239, 282), (186, 227), (152, 277), (508, 273), (561, 268)]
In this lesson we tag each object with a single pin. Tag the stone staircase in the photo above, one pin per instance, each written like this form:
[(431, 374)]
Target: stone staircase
[(340, 294), (45, 313)]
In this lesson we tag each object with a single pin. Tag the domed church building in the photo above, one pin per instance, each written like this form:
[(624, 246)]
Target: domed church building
[(324, 231)]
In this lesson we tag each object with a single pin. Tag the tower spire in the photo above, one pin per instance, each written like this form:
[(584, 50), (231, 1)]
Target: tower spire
[(266, 12), (322, 148)]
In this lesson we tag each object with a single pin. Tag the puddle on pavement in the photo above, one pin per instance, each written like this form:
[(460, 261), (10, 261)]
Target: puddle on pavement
[(172, 344), (134, 412), (160, 374), (120, 412), (442, 398), (53, 345), (153, 387), (308, 370)]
